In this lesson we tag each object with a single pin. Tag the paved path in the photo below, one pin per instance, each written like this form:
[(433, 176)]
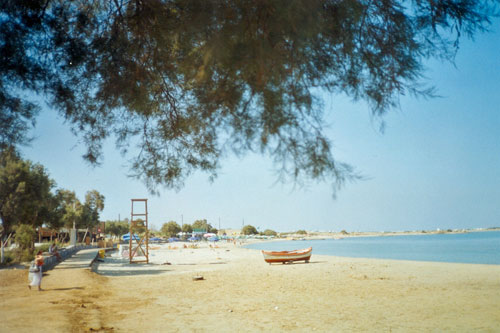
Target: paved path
[(81, 259)]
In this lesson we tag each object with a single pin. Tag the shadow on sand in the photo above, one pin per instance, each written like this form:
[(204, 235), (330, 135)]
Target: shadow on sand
[(130, 272), (297, 263), (64, 289)]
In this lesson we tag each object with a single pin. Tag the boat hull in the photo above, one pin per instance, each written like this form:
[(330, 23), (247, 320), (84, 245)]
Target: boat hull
[(287, 256)]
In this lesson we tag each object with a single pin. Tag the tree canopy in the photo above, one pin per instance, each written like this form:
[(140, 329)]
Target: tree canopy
[(249, 230), (27, 198), (25, 192), (203, 225), (170, 229), (189, 81), (117, 228)]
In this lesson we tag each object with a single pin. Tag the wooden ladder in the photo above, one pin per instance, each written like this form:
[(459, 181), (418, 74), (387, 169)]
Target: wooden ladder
[(139, 219)]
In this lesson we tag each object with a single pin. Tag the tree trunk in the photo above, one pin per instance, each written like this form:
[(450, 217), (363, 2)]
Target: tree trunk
[(3, 246)]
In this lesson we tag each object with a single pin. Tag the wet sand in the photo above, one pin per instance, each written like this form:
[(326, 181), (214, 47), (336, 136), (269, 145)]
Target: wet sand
[(240, 292)]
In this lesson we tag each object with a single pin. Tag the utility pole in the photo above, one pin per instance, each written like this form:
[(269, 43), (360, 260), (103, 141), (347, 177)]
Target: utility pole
[(73, 231)]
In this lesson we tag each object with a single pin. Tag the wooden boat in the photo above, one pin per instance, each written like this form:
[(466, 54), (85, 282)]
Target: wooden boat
[(287, 256)]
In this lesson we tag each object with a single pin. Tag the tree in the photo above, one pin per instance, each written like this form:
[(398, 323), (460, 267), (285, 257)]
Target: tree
[(193, 80), (72, 208), (269, 232), (249, 230), (187, 228), (116, 228), (170, 229), (25, 236), (24, 192), (94, 204), (203, 225), (137, 227)]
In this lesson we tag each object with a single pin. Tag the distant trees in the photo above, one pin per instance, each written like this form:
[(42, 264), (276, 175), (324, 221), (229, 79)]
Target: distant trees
[(93, 206), (170, 229), (138, 227), (203, 225), (25, 192), (249, 230), (116, 228), (27, 199), (187, 228), (269, 232)]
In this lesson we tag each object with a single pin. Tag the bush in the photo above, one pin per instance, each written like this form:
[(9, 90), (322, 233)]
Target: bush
[(249, 230), (44, 247), (26, 255), (269, 232), (25, 235), (19, 255), (301, 232), (170, 229), (8, 257)]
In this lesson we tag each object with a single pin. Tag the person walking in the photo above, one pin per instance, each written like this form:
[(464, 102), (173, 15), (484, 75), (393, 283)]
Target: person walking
[(35, 273)]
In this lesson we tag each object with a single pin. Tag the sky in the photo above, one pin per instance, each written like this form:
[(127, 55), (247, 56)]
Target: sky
[(436, 164)]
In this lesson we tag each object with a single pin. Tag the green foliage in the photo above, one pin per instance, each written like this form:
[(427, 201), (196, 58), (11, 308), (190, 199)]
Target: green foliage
[(269, 232), (170, 229), (72, 208), (25, 236), (116, 228), (301, 232), (192, 80), (43, 247), (249, 230), (23, 255), (25, 195), (203, 225), (137, 227), (9, 258), (188, 228), (89, 214)]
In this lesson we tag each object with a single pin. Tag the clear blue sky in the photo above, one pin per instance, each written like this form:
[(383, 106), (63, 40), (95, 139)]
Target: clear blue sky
[(437, 165)]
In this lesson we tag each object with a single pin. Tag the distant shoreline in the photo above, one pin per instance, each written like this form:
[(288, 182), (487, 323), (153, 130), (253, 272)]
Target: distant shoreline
[(313, 235)]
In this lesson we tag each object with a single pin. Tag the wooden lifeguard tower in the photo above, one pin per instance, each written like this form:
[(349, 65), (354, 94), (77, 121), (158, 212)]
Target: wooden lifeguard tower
[(139, 220)]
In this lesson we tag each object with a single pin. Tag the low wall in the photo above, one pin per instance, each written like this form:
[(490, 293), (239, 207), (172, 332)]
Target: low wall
[(51, 261)]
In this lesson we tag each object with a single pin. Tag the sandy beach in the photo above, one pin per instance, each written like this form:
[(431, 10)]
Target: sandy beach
[(240, 292)]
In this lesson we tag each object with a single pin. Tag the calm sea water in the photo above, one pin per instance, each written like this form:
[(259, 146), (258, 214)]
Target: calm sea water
[(472, 247)]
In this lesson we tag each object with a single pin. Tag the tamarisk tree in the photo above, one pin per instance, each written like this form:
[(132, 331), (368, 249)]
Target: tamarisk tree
[(189, 81)]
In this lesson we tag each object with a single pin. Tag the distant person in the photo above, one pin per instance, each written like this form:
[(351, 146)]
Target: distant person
[(35, 273), (53, 251)]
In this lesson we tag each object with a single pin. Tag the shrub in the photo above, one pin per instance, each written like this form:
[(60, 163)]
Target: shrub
[(301, 232), (44, 247), (269, 232), (249, 230), (25, 235)]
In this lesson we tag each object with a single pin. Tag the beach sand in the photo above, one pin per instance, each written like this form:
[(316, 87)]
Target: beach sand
[(241, 293)]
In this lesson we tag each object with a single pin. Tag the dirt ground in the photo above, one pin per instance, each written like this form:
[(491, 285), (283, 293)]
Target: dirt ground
[(242, 293)]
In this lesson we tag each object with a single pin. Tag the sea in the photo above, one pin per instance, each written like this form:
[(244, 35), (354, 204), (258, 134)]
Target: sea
[(471, 247)]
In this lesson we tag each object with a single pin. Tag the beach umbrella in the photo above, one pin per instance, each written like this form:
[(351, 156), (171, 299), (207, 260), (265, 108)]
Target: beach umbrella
[(193, 239), (173, 239), (213, 239), (209, 234), (126, 237)]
